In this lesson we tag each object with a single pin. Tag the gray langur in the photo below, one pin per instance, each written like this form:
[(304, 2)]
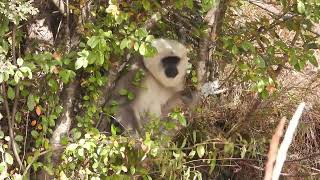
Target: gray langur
[(158, 91)]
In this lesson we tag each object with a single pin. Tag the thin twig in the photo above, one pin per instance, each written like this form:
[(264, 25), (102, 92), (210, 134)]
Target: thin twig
[(25, 138), (36, 157), (10, 124), (304, 158), (11, 117)]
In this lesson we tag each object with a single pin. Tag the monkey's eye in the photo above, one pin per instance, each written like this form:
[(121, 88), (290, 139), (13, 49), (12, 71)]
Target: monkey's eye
[(170, 60)]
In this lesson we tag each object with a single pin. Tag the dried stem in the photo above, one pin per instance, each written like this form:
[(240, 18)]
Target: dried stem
[(272, 154), (282, 153)]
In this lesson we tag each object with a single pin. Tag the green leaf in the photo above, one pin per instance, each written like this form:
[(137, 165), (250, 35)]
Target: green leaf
[(261, 85), (100, 59), (130, 96), (247, 45), (182, 120), (260, 62), (244, 67), (66, 75), (11, 93), (81, 152), (301, 7), (72, 147), (113, 129), (19, 61), (123, 92), (82, 60), (213, 162), (1, 77), (146, 4), (25, 69), (200, 151), (293, 60), (124, 43), (8, 158), (64, 141), (191, 154), (136, 46), (2, 167), (34, 134), (142, 49), (228, 148), (93, 56), (18, 117), (107, 34), (76, 135), (53, 85), (17, 76), (132, 170), (149, 38), (189, 4), (243, 151), (313, 61), (93, 41), (194, 136), (1, 134), (30, 102), (141, 32), (235, 50), (19, 138)]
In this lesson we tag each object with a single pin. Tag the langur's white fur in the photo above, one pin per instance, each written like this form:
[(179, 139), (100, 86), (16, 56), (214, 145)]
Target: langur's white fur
[(159, 89), (167, 48), (156, 88)]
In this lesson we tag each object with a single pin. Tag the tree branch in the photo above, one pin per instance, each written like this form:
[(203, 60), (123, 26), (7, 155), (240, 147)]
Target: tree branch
[(65, 120), (275, 11), (214, 19)]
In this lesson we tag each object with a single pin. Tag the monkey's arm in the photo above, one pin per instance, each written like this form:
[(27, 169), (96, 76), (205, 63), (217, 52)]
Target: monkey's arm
[(186, 98)]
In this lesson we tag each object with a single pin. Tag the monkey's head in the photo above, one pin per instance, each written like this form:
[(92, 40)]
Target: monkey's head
[(169, 65)]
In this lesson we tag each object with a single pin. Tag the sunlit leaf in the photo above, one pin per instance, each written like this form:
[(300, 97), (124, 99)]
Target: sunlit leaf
[(11, 93), (30, 102), (8, 158), (301, 7), (200, 151)]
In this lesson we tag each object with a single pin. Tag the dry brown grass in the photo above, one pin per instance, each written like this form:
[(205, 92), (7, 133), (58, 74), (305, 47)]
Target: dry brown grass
[(240, 111)]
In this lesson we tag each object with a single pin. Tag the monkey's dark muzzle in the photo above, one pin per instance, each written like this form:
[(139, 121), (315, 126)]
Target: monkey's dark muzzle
[(171, 72)]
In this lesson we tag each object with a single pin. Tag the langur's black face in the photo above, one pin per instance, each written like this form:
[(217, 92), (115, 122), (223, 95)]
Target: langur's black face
[(170, 64)]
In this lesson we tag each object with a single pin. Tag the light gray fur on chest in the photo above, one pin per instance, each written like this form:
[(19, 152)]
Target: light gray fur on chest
[(151, 98)]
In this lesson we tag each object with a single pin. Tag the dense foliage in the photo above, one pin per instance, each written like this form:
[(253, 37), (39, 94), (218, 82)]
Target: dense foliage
[(32, 83)]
